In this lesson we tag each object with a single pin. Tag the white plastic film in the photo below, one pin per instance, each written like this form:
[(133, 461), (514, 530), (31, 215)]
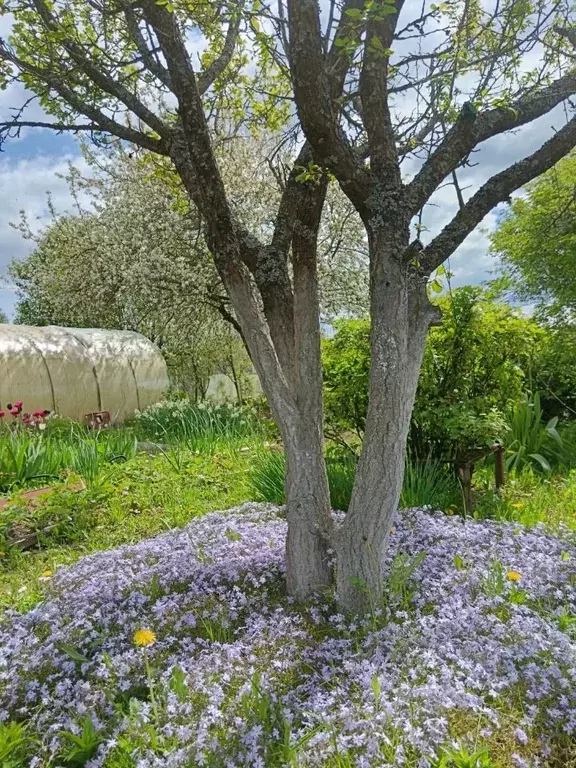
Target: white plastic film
[(77, 371)]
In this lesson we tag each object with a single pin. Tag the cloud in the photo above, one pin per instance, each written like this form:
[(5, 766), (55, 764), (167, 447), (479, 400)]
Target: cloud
[(24, 184)]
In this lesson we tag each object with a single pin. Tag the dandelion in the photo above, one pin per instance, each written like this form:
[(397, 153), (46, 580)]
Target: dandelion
[(144, 637), (513, 576)]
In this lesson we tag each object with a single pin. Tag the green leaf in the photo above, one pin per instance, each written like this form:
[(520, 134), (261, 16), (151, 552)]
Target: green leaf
[(458, 562), (69, 650), (354, 13)]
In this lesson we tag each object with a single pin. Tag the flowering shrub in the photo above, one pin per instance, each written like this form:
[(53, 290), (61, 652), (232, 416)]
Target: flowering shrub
[(182, 650)]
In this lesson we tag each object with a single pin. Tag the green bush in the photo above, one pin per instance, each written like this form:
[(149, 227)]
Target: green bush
[(475, 369)]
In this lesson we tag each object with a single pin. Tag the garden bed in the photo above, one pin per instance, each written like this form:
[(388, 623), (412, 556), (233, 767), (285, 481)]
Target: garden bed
[(184, 650)]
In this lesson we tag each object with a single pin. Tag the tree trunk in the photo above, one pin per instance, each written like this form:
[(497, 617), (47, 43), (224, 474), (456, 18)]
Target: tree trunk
[(308, 511), (308, 497), (401, 315)]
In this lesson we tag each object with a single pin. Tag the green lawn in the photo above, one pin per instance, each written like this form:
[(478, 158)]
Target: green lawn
[(129, 502)]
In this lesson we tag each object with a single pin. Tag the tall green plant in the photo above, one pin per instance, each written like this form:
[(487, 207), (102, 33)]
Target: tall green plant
[(531, 441), (425, 483)]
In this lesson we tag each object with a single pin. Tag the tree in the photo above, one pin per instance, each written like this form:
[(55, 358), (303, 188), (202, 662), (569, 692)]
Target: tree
[(536, 241), (461, 75), (3, 317)]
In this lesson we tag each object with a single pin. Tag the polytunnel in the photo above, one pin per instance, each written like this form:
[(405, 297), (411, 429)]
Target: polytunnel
[(77, 371)]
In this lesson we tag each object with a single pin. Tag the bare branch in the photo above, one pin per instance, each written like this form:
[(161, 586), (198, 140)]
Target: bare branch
[(217, 67), (496, 190), (471, 130), (317, 112)]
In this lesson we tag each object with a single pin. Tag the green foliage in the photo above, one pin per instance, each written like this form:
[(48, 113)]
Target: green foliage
[(346, 361), (267, 478), (14, 745), (531, 441), (475, 368), (429, 483), (554, 372), (82, 747), (425, 483), (460, 757), (203, 426), (140, 497), (32, 457), (536, 241)]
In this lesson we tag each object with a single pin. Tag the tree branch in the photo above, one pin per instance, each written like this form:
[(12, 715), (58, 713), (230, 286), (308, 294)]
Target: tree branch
[(316, 110), (105, 123), (155, 67), (494, 191), (374, 97), (468, 132), (109, 85), (217, 67)]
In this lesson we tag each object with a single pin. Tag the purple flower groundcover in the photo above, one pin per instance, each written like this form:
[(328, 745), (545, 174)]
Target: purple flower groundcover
[(476, 628)]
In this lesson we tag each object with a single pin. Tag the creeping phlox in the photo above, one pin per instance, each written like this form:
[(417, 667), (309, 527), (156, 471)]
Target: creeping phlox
[(184, 650)]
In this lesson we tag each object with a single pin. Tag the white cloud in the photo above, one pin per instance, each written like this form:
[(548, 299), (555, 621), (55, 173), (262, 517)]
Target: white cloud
[(24, 185)]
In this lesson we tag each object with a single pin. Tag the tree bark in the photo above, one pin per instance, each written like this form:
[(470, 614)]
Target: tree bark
[(308, 496), (401, 315)]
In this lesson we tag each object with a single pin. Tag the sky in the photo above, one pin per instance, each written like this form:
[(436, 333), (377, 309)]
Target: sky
[(30, 167)]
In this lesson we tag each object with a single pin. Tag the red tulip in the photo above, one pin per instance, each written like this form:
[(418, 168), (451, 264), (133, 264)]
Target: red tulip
[(2, 414), (14, 411), (26, 419), (18, 404), (38, 414)]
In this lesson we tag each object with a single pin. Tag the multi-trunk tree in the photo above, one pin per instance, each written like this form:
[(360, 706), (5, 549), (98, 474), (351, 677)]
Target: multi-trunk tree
[(392, 98)]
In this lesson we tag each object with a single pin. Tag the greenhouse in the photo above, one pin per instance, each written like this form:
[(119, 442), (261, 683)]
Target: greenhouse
[(75, 372)]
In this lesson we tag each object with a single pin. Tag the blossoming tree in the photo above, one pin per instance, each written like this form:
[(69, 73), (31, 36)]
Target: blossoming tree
[(383, 90)]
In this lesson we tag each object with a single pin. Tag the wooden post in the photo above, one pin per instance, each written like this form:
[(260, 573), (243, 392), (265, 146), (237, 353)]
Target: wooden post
[(499, 467)]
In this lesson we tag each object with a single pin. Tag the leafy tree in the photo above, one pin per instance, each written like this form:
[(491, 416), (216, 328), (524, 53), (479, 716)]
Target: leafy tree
[(536, 241), (378, 87), (3, 317), (554, 372)]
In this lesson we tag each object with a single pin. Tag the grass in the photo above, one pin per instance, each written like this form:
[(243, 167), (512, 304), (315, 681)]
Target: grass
[(199, 427), (137, 499), (31, 458), (425, 483)]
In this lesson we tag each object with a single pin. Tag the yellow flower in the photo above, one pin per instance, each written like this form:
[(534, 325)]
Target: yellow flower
[(143, 637), (47, 574), (514, 575), (519, 505)]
